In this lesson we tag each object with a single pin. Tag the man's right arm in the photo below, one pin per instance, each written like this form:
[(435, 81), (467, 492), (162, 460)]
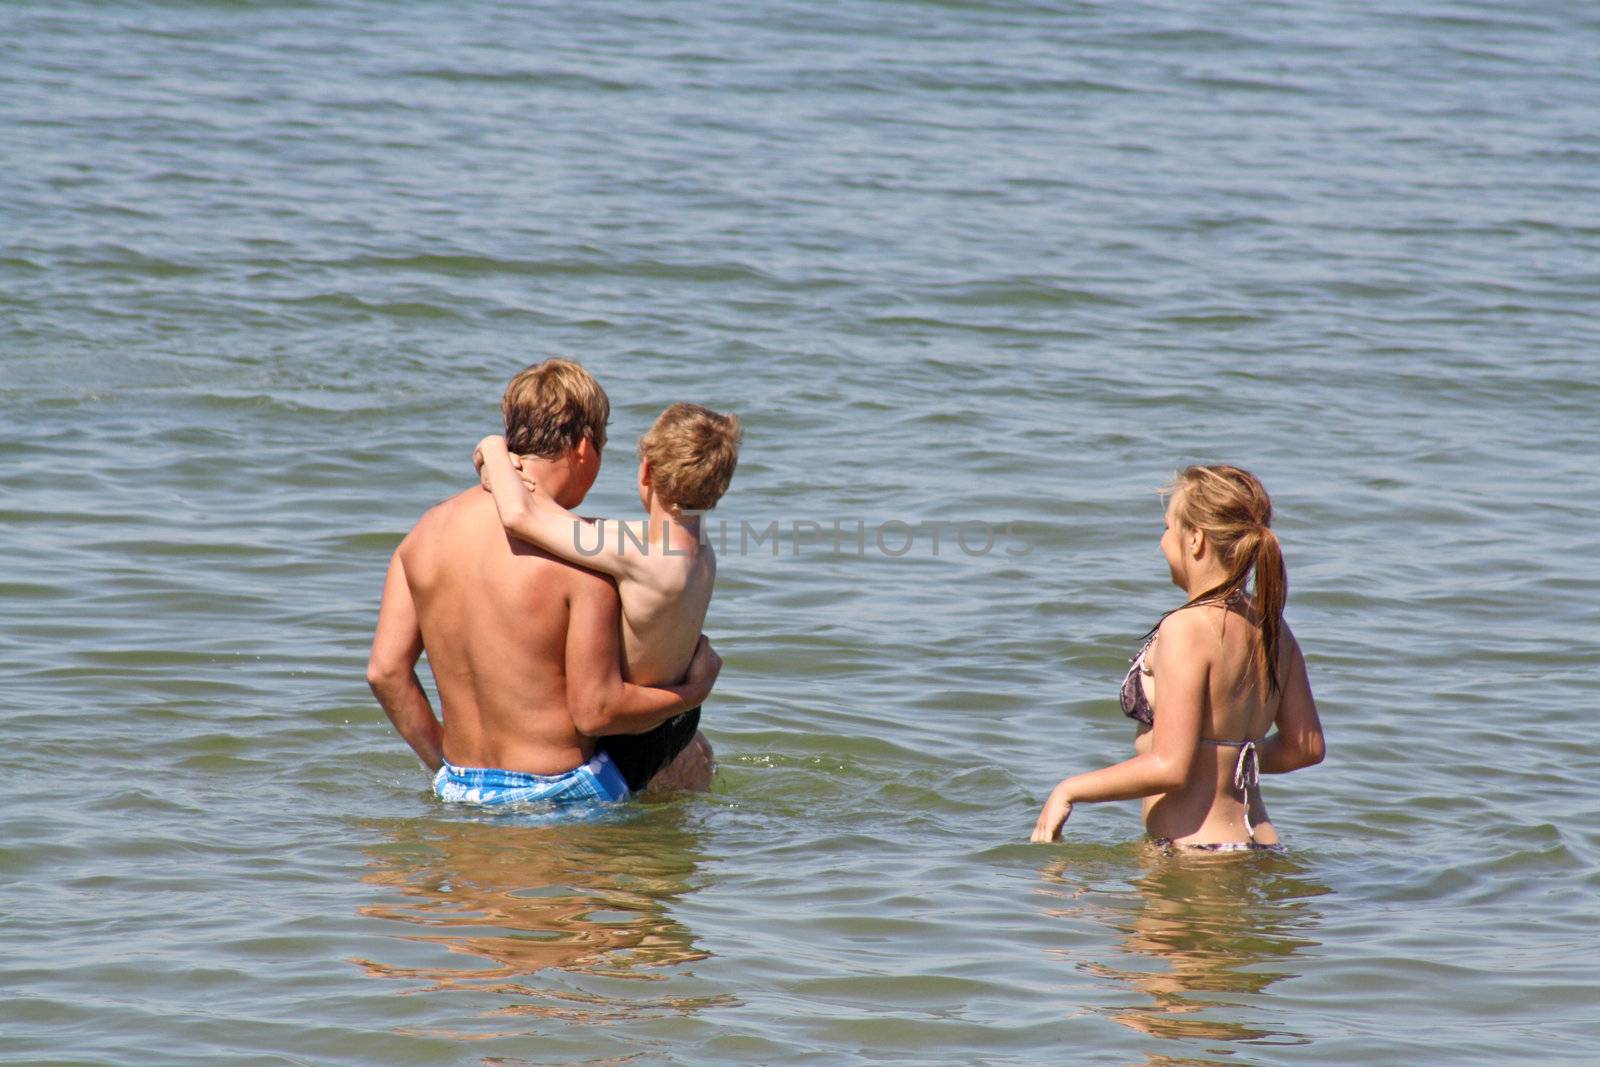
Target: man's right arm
[(392, 669), (599, 701)]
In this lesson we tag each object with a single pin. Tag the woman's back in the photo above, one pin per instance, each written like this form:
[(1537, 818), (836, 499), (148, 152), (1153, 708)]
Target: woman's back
[(1238, 707)]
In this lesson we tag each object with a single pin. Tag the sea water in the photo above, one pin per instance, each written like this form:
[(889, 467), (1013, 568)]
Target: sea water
[(1001, 265)]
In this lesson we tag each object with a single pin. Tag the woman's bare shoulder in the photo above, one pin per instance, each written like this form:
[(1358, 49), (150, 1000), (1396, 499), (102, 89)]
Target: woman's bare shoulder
[(1186, 633), (1187, 623)]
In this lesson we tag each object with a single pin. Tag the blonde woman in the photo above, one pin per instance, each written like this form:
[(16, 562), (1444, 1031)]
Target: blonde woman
[(1211, 681)]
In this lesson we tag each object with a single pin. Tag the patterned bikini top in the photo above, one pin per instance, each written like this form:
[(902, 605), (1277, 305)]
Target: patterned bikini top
[(1135, 705)]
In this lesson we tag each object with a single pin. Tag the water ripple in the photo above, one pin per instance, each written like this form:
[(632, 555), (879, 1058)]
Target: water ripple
[(948, 259)]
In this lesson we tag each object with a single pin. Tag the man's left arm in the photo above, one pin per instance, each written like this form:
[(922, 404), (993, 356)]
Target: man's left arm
[(598, 700), (392, 669)]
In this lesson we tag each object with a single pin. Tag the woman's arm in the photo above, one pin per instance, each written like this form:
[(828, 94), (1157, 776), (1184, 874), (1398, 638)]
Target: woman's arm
[(1181, 661), (1297, 742), (539, 520)]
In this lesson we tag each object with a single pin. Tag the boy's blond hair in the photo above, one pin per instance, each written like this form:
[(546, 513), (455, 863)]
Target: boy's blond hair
[(692, 452), (551, 406)]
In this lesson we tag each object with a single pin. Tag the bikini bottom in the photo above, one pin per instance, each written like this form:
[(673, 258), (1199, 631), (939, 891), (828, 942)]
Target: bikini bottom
[(1217, 846)]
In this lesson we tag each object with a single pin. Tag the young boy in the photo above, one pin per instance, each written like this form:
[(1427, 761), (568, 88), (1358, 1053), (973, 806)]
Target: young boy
[(663, 570)]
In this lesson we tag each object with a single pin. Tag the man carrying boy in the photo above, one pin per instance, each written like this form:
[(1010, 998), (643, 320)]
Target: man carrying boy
[(523, 646), (664, 570)]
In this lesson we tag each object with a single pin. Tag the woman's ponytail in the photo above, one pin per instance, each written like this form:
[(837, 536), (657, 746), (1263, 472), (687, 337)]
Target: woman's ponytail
[(1272, 592)]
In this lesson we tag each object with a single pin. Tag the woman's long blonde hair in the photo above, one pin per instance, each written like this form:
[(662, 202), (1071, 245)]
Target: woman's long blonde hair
[(1231, 507)]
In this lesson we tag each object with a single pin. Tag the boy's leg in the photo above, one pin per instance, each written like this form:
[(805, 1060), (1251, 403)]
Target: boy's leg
[(641, 756), (691, 770)]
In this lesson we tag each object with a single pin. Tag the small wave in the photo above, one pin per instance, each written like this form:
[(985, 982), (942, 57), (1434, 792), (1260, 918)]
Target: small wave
[(1249, 85), (998, 329), (405, 309), (556, 79), (468, 265), (131, 261), (1021, 293), (1182, 39)]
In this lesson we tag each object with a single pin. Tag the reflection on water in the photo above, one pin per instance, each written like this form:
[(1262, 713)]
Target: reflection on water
[(537, 905), (1203, 934)]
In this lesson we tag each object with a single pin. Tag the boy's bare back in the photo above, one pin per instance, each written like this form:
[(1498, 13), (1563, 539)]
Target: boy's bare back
[(664, 595)]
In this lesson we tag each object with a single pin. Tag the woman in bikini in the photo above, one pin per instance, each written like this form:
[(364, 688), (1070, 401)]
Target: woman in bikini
[(1212, 679)]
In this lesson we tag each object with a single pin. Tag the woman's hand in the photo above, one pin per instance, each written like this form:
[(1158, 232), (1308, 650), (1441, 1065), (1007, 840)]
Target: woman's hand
[(1052, 817)]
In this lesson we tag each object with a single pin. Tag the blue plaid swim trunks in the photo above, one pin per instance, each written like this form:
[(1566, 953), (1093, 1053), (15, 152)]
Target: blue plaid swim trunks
[(596, 782)]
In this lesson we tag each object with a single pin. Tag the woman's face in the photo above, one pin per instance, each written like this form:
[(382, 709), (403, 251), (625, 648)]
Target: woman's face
[(1172, 545)]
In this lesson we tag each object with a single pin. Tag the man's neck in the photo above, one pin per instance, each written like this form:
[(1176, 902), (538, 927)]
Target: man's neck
[(552, 476)]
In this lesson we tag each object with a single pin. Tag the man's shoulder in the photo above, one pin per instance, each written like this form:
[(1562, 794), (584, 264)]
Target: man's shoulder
[(462, 536), (438, 520), (584, 581), (451, 505), (474, 510)]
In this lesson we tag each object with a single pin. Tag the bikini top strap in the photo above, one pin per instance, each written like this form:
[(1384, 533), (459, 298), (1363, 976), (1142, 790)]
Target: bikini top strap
[(1246, 774)]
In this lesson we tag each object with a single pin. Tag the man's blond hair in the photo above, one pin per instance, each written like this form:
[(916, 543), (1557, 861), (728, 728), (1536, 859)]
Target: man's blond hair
[(692, 452), (551, 406)]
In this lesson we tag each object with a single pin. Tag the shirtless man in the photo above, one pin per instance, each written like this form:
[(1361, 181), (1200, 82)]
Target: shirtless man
[(664, 568), (523, 647)]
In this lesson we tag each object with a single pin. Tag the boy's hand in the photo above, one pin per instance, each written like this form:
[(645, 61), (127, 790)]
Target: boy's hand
[(703, 669), (497, 443), (527, 479), (477, 459)]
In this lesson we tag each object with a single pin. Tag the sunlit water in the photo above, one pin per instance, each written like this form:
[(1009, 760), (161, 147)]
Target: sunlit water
[(266, 267)]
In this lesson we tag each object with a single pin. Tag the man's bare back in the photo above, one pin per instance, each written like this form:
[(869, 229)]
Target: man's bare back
[(523, 649), (495, 616)]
